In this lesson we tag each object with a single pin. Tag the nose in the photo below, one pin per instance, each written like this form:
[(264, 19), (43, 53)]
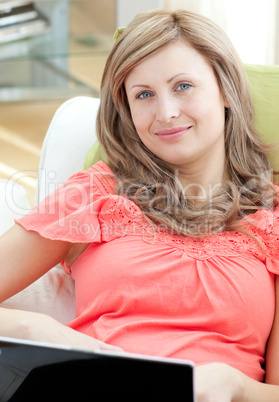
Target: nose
[(167, 109)]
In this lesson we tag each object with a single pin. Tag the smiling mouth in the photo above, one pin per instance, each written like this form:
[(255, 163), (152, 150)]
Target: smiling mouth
[(172, 133)]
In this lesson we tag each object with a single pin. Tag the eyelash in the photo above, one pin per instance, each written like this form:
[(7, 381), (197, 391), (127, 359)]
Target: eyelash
[(143, 93), (185, 83), (139, 96)]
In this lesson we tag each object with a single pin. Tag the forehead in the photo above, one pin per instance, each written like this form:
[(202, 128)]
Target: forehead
[(175, 58)]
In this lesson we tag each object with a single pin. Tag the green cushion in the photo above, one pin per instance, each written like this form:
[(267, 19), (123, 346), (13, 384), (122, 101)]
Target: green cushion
[(264, 81), (94, 155)]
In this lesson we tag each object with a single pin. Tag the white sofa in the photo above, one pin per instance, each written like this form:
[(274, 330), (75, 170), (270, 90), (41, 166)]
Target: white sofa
[(69, 137)]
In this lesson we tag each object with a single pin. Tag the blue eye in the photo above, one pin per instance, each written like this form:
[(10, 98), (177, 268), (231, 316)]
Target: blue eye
[(144, 95), (184, 86)]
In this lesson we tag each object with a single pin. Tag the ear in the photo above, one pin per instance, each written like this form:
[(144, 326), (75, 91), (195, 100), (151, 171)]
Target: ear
[(226, 104)]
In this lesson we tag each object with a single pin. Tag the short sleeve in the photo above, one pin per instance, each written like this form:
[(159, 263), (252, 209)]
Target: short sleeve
[(71, 213), (263, 231), (272, 241)]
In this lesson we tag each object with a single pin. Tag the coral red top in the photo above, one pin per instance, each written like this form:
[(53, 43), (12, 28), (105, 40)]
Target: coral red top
[(150, 292)]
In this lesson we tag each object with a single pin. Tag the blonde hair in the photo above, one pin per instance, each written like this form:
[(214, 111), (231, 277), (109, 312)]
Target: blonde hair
[(149, 181)]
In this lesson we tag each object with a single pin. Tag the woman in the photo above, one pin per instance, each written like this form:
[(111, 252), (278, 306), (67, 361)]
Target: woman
[(173, 246)]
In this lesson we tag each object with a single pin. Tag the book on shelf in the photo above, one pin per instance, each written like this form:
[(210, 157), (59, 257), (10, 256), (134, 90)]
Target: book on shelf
[(20, 21), (17, 14), (6, 4)]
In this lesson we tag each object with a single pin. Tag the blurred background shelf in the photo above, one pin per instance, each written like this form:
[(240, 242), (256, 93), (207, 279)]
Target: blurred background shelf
[(46, 61), (38, 73)]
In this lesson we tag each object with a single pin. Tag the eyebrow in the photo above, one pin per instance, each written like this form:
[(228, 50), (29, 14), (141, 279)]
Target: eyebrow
[(168, 81)]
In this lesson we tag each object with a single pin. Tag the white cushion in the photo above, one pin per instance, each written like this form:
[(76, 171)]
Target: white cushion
[(13, 203), (71, 134), (53, 294)]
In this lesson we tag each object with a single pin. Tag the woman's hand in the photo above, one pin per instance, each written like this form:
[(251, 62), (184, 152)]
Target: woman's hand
[(217, 382), (42, 328)]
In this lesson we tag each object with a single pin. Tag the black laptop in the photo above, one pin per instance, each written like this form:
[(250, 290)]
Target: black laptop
[(33, 371)]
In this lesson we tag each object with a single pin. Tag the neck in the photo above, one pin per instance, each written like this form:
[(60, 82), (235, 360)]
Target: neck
[(203, 180)]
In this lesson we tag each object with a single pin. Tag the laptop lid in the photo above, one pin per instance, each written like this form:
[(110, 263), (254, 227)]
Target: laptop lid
[(34, 371)]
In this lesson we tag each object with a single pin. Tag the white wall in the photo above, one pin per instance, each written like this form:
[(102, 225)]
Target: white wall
[(252, 25), (127, 9)]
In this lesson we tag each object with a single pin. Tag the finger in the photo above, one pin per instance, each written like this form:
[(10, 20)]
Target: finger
[(105, 346)]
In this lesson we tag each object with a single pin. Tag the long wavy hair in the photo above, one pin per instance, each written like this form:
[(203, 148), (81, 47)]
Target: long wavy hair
[(149, 181)]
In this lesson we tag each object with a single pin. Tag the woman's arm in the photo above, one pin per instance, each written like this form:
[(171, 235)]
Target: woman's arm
[(225, 384), (24, 257), (221, 383), (272, 354), (43, 328)]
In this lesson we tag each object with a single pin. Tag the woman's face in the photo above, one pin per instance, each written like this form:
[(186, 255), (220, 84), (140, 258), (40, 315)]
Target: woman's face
[(177, 107)]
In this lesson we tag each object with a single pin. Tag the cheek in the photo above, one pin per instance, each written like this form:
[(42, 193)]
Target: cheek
[(209, 112), (141, 120)]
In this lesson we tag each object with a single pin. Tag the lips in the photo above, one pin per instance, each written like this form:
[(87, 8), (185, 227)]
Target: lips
[(170, 134)]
